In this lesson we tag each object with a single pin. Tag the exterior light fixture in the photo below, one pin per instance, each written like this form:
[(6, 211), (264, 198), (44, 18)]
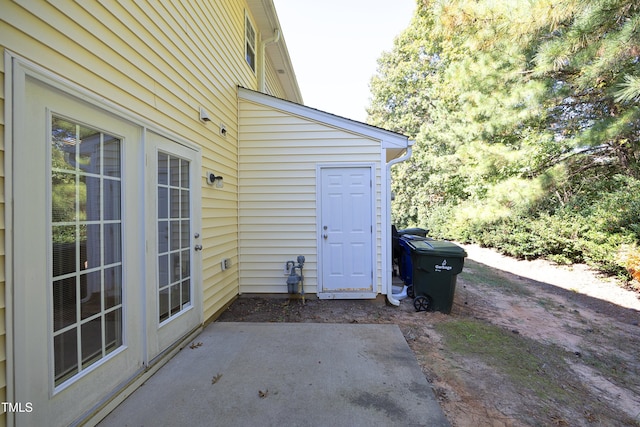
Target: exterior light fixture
[(212, 179)]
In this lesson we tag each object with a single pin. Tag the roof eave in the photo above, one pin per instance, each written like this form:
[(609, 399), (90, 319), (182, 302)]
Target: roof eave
[(266, 20)]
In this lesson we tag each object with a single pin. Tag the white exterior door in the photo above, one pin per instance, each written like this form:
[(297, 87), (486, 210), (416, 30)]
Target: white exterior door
[(77, 251), (105, 264), (173, 230), (346, 232)]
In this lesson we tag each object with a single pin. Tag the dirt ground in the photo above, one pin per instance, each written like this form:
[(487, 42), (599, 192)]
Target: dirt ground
[(527, 343)]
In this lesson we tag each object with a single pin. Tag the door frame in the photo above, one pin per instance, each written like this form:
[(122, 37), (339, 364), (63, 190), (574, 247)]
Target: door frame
[(329, 294), (17, 70), (161, 336)]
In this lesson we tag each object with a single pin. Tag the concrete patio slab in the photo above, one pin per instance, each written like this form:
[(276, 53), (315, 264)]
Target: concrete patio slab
[(287, 374)]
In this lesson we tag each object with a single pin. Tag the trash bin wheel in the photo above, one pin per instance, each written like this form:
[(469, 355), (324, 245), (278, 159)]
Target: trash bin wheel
[(410, 292), (421, 303)]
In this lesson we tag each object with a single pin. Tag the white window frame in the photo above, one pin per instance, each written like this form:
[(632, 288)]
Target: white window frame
[(250, 43)]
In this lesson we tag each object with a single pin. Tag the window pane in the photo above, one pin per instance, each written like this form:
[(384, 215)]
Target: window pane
[(88, 134), (175, 203), (163, 270), (91, 240), (89, 198), (112, 244), (64, 303), (163, 169), (88, 151), (174, 237), (184, 204), (111, 209), (184, 237), (63, 197), (163, 202), (174, 171), (164, 304), (91, 338), (175, 299), (112, 287), (251, 57), (111, 156), (186, 265), (64, 247), (184, 174), (186, 292), (113, 330), (91, 294), (64, 140), (163, 236), (175, 267), (65, 350)]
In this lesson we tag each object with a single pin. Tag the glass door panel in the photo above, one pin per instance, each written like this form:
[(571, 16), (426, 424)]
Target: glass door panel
[(174, 236), (86, 244)]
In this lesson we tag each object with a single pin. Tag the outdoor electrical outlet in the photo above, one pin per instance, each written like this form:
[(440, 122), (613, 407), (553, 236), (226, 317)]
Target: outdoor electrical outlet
[(225, 264)]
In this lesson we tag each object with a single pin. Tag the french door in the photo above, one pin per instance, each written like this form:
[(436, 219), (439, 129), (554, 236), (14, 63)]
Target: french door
[(106, 262), (77, 248), (173, 232)]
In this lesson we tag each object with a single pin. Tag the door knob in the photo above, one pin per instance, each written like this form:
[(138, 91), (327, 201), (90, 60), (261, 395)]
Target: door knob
[(198, 247), (325, 236)]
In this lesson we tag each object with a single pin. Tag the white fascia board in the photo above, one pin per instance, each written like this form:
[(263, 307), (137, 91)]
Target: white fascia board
[(387, 138)]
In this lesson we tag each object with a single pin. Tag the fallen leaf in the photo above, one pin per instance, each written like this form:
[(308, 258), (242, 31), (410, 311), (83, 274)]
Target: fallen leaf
[(216, 378), (195, 345), (263, 394)]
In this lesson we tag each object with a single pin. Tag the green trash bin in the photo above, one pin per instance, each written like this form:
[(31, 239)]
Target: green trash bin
[(435, 267)]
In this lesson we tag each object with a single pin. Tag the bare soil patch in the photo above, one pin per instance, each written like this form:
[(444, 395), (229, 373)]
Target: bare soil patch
[(526, 343)]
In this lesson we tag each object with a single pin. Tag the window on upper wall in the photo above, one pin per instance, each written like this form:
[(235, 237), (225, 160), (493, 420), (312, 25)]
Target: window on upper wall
[(250, 43)]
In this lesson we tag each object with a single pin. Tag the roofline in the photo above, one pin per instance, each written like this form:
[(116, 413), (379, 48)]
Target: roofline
[(389, 139), (266, 27)]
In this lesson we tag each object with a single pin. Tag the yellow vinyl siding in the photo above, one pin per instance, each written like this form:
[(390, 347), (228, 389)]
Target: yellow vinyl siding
[(279, 154), (273, 86)]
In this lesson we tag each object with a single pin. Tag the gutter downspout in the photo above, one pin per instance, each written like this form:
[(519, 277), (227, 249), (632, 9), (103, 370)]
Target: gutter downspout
[(263, 66), (406, 157)]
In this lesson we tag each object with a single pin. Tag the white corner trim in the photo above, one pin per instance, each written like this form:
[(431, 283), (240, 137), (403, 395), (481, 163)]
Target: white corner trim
[(8, 226)]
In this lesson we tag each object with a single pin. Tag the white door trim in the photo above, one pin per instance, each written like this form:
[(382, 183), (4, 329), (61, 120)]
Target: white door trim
[(321, 293)]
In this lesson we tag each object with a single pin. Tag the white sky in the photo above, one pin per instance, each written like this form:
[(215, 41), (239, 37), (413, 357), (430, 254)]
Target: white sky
[(334, 46)]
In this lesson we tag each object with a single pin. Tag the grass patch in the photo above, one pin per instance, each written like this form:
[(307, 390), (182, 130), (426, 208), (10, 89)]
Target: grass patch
[(527, 364)]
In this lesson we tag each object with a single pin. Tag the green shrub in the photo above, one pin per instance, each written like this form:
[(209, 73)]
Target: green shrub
[(592, 227)]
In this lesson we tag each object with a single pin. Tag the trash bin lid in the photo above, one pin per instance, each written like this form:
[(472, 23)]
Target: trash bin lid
[(436, 248)]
